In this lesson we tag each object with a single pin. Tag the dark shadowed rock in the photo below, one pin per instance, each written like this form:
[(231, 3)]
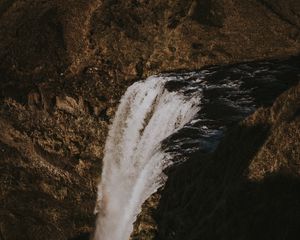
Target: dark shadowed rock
[(64, 66)]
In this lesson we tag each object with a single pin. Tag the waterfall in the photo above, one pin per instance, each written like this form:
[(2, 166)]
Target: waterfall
[(165, 120), (133, 161)]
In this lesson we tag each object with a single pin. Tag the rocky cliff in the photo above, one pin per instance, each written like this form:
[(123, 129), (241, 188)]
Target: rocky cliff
[(247, 189), (65, 64)]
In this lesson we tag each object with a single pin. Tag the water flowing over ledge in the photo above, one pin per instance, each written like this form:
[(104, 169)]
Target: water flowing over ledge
[(165, 119), (133, 162)]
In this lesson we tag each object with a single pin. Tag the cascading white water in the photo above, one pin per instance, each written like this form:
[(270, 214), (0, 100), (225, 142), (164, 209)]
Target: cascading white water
[(133, 163)]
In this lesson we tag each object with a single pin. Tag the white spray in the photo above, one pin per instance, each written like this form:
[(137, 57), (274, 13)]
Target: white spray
[(133, 162)]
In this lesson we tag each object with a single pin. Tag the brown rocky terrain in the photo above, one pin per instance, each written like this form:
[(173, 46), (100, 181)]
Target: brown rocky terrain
[(247, 189), (65, 64), (252, 193)]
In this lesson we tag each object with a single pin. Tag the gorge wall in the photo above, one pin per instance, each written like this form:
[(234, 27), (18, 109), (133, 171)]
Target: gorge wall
[(248, 187), (65, 64)]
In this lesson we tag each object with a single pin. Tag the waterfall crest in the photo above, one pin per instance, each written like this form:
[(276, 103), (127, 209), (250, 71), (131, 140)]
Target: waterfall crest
[(133, 160)]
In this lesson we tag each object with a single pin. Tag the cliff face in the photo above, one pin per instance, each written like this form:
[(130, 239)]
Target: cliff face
[(247, 189), (65, 64)]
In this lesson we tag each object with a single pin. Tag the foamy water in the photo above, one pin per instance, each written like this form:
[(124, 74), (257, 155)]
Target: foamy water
[(133, 163)]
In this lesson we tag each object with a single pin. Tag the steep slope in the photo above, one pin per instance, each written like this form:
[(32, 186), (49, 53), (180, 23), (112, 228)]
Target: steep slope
[(65, 64), (230, 193), (248, 189)]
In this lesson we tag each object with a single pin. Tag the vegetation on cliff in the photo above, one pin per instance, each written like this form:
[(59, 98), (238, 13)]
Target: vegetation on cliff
[(65, 64)]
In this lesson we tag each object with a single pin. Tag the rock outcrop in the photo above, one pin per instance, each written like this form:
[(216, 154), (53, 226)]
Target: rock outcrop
[(250, 181), (247, 189), (65, 64)]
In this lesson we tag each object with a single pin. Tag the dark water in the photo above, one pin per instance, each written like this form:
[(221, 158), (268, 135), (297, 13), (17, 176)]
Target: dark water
[(228, 95)]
